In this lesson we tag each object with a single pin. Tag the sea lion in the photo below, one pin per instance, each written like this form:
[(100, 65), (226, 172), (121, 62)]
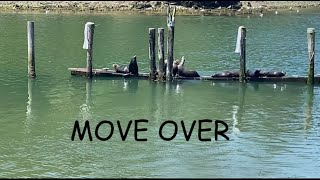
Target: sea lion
[(249, 73), (226, 74), (175, 67), (276, 74), (133, 66), (254, 74), (186, 73), (118, 69), (233, 73)]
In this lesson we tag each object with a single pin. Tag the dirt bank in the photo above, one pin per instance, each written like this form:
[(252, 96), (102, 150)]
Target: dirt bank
[(147, 7)]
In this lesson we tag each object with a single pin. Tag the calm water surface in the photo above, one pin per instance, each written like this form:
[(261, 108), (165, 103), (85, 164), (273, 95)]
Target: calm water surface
[(274, 129)]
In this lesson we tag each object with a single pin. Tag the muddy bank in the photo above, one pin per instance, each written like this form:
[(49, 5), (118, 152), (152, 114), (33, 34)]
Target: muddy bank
[(154, 7)]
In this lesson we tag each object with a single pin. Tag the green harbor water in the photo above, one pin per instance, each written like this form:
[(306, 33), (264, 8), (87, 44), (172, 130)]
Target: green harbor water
[(274, 129)]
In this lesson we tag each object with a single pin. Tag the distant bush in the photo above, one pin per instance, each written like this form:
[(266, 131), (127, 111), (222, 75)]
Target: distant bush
[(208, 4)]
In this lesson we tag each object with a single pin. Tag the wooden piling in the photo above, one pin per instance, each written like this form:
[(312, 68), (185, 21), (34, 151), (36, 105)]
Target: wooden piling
[(90, 33), (311, 45), (31, 55), (152, 54), (170, 22), (242, 74), (161, 52)]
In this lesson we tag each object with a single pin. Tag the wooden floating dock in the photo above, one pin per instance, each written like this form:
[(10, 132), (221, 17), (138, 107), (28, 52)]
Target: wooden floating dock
[(111, 73)]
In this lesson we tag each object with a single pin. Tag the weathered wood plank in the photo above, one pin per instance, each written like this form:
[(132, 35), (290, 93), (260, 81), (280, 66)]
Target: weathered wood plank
[(111, 73)]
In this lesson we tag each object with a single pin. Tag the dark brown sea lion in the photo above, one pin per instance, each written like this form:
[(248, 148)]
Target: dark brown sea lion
[(133, 66), (226, 74), (254, 74), (276, 74), (249, 73), (186, 73)]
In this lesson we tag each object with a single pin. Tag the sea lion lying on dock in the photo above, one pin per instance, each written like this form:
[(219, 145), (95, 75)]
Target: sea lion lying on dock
[(253, 74), (119, 69), (273, 73), (133, 66), (249, 73), (186, 73), (226, 74)]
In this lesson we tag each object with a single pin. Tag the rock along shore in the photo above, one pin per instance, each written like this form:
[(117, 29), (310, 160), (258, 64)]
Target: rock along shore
[(149, 7)]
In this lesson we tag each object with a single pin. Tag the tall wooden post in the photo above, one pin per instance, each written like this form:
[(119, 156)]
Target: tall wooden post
[(170, 23), (152, 54), (242, 74), (311, 45), (90, 32), (161, 52), (31, 55)]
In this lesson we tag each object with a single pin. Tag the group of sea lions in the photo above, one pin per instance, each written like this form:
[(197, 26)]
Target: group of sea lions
[(253, 74), (178, 69), (133, 67)]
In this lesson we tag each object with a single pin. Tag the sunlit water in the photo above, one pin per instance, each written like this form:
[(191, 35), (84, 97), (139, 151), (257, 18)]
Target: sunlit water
[(273, 128)]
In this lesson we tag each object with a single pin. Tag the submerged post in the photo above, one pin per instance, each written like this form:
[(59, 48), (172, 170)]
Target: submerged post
[(242, 74), (311, 45), (31, 55), (88, 44), (170, 23), (152, 54), (161, 52)]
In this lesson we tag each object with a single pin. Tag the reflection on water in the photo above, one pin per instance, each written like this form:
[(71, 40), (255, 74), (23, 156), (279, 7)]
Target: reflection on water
[(131, 85), (29, 115), (239, 110), (85, 108), (308, 118)]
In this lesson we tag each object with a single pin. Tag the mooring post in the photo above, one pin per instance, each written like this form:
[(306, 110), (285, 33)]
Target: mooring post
[(242, 74), (31, 55), (88, 44), (170, 23), (161, 52), (152, 54), (311, 45)]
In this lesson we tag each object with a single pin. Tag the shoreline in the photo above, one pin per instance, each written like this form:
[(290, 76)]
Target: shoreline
[(150, 8)]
